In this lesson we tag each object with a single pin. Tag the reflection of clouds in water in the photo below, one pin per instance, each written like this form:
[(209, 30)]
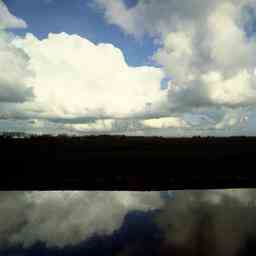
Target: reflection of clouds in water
[(61, 218), (171, 195), (168, 195), (209, 222)]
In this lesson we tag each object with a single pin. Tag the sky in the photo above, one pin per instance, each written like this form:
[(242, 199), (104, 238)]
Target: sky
[(165, 68)]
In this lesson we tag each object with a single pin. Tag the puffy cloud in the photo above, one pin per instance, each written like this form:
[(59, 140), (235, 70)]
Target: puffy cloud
[(158, 18), (163, 17), (117, 13), (74, 78), (210, 70), (14, 72), (8, 20), (66, 217), (13, 62), (65, 77), (203, 46)]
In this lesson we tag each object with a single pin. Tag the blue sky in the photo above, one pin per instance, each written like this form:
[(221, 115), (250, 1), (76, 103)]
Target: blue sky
[(130, 54), (79, 17)]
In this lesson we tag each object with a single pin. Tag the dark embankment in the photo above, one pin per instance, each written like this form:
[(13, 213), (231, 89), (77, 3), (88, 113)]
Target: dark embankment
[(119, 162)]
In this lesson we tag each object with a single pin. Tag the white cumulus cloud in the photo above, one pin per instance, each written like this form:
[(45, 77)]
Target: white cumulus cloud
[(75, 77), (14, 72), (8, 20), (203, 46), (14, 69)]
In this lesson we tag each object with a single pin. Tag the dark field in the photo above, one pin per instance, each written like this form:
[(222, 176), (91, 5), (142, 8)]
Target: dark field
[(120, 162)]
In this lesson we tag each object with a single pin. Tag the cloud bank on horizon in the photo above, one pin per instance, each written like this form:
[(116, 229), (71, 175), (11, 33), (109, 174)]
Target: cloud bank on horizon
[(205, 47)]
